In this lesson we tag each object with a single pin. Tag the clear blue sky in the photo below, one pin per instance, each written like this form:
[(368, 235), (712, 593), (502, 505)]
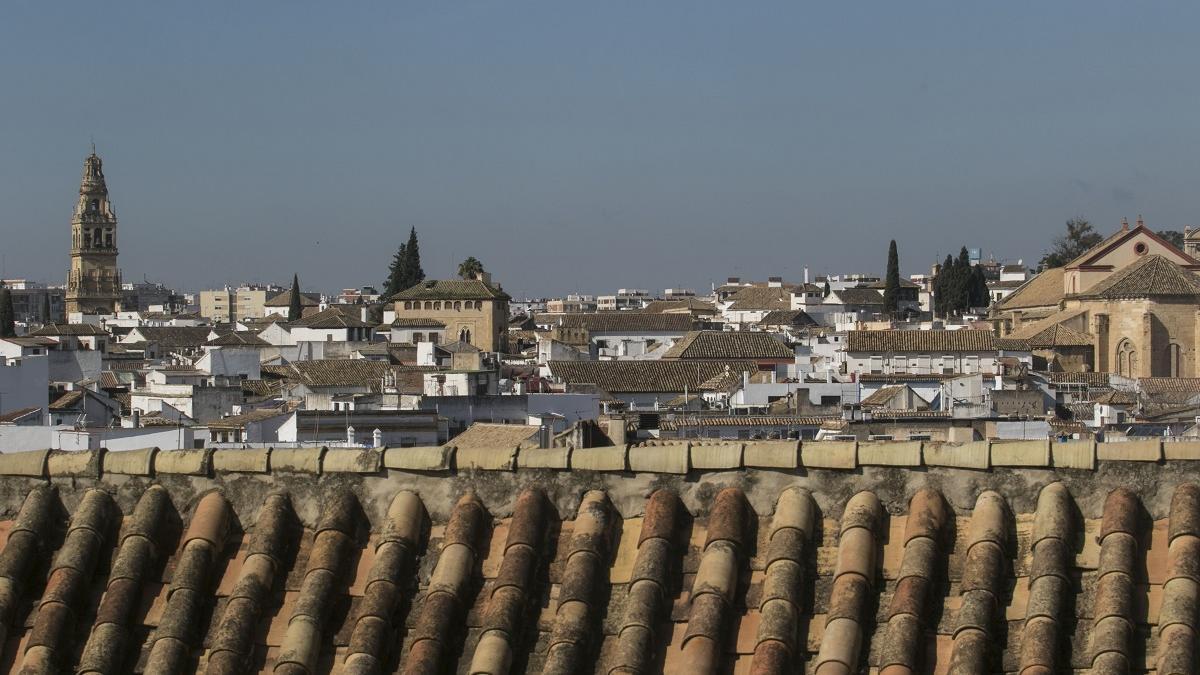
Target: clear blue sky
[(586, 146)]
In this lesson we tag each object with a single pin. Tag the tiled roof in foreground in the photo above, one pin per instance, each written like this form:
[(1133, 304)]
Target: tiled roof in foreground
[(710, 558)]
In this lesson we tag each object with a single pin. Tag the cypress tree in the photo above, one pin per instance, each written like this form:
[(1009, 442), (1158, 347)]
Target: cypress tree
[(943, 287), (397, 273), (979, 290), (45, 309), (8, 321), (295, 309), (412, 252), (891, 287)]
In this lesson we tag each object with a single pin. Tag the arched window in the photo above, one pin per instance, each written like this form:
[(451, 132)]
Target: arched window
[(464, 335), (457, 305), (428, 305), (407, 304), (95, 204), (1126, 359)]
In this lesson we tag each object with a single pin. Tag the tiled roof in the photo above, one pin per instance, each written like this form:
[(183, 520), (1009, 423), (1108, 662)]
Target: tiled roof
[(1043, 290), (331, 317), (243, 338), (619, 322), (1149, 276), (965, 340), (1163, 385), (337, 372), (451, 289), (882, 396), (689, 421), (758, 298), (788, 317), (68, 400), (458, 347), (11, 416), (284, 299), (250, 417), (484, 435), (644, 376), (78, 329), (1090, 379), (31, 341), (407, 322), (294, 561), (684, 305), (858, 296), (1115, 397), (729, 346), (1049, 333), (176, 336)]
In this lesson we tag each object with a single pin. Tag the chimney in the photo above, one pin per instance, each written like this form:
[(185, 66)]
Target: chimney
[(733, 280), (1124, 224), (1139, 221), (377, 438), (349, 435), (616, 430), (774, 282), (805, 275), (544, 435), (137, 419)]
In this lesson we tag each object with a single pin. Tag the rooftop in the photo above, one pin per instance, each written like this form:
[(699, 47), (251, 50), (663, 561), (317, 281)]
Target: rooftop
[(729, 346), (452, 289), (709, 557), (964, 340)]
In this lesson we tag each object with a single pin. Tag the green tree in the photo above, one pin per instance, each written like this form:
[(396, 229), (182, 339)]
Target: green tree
[(8, 321), (827, 289), (1078, 239), (295, 309), (412, 250), (397, 273), (891, 284), (1173, 237), (405, 270), (470, 268), (941, 286), (45, 313), (978, 290)]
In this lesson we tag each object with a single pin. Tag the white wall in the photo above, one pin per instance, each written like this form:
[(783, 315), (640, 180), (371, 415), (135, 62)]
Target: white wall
[(24, 383)]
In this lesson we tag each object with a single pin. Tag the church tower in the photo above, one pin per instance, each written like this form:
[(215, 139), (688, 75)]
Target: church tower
[(94, 284)]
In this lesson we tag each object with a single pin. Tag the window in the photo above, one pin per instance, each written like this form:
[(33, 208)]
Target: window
[(457, 305), (1127, 361), (418, 337)]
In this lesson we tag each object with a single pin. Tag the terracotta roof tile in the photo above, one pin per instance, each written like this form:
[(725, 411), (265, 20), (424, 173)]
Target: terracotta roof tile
[(1149, 276), (644, 376), (612, 572), (728, 346), (452, 289), (965, 340), (619, 322)]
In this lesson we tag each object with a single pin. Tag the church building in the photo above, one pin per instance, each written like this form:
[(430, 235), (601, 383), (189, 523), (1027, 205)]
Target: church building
[(94, 281), (1129, 305)]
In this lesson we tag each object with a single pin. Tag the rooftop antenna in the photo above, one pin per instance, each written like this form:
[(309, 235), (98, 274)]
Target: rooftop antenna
[(93, 139)]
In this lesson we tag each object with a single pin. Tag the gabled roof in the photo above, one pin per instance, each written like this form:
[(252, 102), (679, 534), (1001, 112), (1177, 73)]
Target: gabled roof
[(757, 298), (31, 341), (175, 336), (683, 305), (338, 372), (1043, 290), (284, 299), (630, 377), (711, 344), (331, 317), (796, 318), (1149, 276), (619, 322), (76, 329), (451, 289), (244, 338), (933, 341), (1095, 253), (858, 296), (1050, 332)]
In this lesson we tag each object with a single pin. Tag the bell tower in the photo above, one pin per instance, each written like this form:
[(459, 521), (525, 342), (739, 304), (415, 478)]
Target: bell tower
[(94, 282)]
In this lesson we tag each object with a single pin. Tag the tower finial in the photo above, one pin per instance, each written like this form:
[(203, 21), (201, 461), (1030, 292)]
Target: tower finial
[(93, 139)]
